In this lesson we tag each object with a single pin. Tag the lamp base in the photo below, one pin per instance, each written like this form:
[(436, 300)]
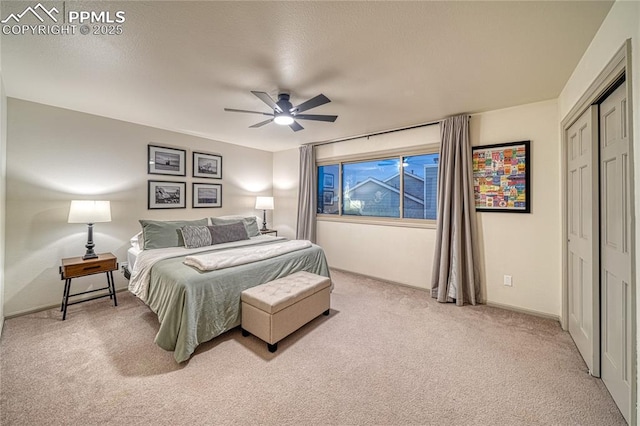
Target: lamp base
[(264, 221), (90, 254)]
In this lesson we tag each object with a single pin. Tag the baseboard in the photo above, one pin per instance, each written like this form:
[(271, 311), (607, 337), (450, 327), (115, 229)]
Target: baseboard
[(524, 311), (492, 304), (46, 308), (380, 279)]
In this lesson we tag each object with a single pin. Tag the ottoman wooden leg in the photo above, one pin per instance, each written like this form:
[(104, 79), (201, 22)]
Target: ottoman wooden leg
[(245, 333), (272, 348), (326, 312)]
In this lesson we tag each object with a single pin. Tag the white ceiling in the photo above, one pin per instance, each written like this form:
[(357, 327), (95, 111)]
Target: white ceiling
[(384, 65)]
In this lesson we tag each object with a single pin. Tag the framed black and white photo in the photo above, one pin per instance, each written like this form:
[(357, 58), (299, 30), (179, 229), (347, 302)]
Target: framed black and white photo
[(328, 181), (207, 165), (167, 195), (207, 195), (167, 161), (327, 198)]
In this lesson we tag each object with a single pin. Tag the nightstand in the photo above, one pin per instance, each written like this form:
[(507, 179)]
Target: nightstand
[(269, 231), (76, 267)]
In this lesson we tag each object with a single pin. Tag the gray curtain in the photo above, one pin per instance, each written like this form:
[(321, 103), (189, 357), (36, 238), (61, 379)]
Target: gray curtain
[(306, 228), (455, 273)]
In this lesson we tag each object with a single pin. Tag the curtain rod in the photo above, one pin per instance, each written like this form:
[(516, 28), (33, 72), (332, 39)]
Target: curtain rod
[(431, 123)]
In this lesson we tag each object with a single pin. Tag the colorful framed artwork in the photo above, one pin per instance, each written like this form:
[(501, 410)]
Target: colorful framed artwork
[(166, 195), (166, 161), (207, 165), (502, 177), (207, 195)]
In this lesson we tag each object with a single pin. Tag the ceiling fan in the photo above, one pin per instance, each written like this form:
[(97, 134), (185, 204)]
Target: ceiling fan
[(285, 114)]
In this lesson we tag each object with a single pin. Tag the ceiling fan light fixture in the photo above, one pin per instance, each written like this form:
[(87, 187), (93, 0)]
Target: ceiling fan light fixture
[(283, 119), (285, 114)]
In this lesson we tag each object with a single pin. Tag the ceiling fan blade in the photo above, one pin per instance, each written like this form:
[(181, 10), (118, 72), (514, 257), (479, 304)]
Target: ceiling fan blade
[(295, 126), (311, 103), (267, 100), (262, 123), (250, 112), (316, 117)]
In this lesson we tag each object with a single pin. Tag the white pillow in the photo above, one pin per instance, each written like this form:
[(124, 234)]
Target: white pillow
[(135, 241)]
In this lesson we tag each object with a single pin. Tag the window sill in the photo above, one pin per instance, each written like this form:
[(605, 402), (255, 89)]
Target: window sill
[(379, 221)]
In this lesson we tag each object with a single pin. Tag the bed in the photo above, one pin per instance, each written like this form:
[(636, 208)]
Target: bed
[(194, 306)]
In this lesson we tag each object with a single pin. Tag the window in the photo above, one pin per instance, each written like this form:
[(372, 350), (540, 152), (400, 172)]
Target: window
[(328, 189), (371, 188), (420, 186), (397, 187)]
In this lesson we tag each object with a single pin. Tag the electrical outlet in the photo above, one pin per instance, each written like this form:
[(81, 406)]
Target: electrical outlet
[(507, 281), (124, 265)]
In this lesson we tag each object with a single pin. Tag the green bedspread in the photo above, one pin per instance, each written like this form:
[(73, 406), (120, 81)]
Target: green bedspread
[(194, 307)]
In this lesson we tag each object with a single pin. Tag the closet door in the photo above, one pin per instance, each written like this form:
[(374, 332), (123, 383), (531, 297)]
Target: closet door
[(582, 256), (615, 244)]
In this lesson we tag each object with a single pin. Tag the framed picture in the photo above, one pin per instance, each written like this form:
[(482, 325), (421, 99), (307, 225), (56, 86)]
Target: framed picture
[(167, 195), (207, 195), (327, 198), (167, 161), (328, 181), (502, 177), (207, 165)]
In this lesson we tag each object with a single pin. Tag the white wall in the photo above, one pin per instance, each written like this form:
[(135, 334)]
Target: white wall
[(398, 254), (55, 155), (286, 168), (525, 246), (622, 23), (3, 176)]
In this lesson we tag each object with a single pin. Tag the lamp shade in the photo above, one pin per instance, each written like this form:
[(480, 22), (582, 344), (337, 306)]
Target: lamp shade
[(87, 211), (264, 203)]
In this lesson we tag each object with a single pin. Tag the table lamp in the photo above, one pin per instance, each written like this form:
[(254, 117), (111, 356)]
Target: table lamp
[(89, 212), (264, 204)]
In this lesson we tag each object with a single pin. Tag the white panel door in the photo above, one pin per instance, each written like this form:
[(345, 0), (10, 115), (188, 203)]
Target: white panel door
[(582, 255), (615, 277)]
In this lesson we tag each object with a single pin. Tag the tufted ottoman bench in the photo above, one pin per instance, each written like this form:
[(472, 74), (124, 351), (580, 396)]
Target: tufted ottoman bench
[(274, 310)]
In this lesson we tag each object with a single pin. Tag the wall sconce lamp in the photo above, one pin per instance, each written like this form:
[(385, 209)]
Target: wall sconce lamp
[(264, 204), (89, 212)]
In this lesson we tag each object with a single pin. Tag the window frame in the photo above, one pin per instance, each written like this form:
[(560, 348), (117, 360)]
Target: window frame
[(376, 156)]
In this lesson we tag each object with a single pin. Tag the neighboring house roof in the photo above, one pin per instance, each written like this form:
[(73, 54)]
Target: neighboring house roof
[(385, 186), (406, 174), (414, 185)]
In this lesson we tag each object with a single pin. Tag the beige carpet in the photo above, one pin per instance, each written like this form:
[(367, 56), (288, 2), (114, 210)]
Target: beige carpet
[(387, 355)]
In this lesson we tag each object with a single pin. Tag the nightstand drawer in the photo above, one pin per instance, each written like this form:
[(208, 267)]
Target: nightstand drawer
[(76, 267)]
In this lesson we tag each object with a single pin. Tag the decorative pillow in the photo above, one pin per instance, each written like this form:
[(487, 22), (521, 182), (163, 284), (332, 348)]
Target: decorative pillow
[(250, 223), (202, 236), (228, 233), (196, 236), (161, 234)]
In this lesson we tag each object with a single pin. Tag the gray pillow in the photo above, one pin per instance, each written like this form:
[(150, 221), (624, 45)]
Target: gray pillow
[(196, 236), (161, 234), (228, 233), (250, 223), (202, 236)]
